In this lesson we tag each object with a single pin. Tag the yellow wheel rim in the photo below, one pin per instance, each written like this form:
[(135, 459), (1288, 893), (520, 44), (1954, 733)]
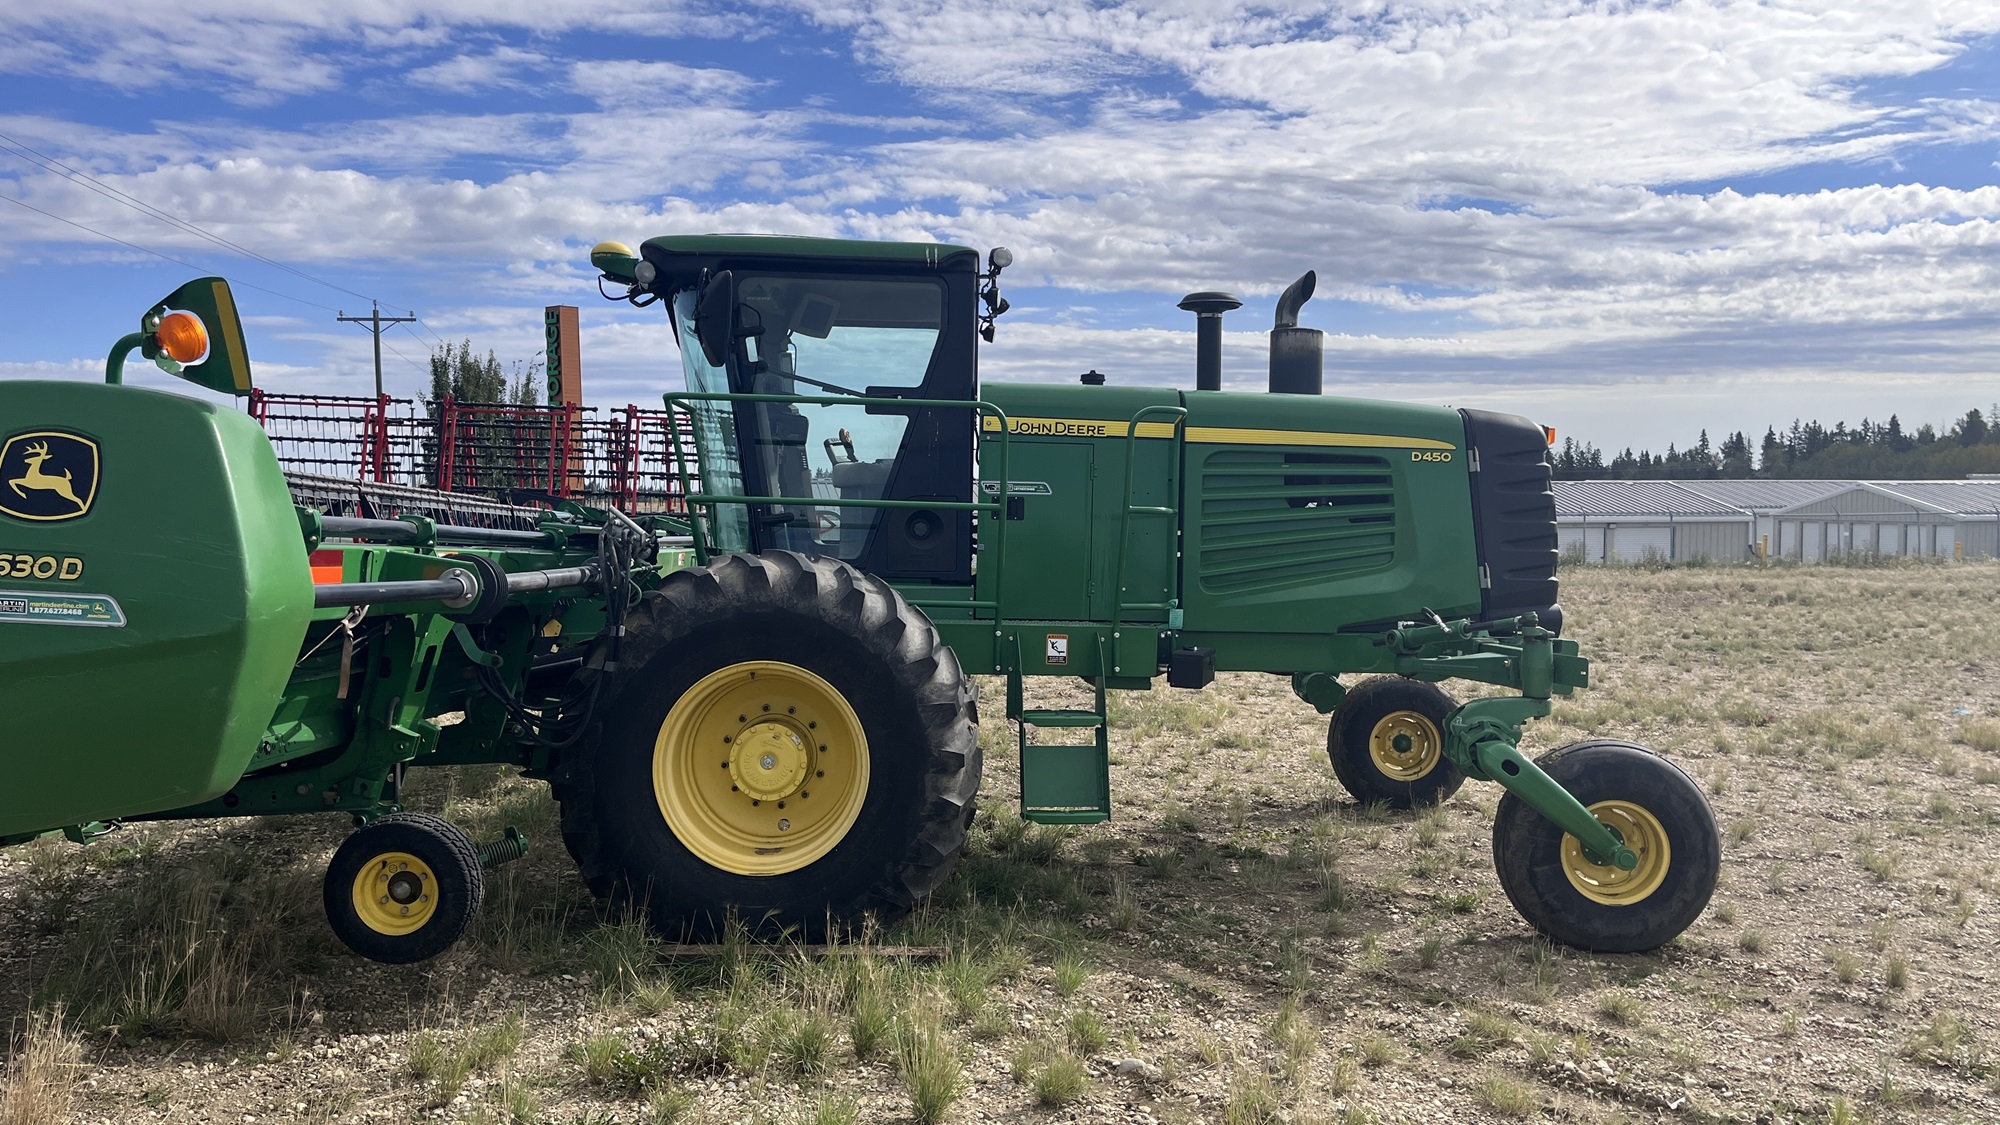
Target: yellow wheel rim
[(395, 893), (761, 768), (1406, 745), (1641, 831)]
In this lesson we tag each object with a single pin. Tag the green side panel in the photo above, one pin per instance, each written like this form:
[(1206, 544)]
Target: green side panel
[(140, 663), (1046, 542), (1306, 514), (1067, 461)]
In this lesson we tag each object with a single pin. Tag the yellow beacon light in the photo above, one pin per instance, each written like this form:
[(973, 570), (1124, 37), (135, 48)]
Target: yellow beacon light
[(182, 337)]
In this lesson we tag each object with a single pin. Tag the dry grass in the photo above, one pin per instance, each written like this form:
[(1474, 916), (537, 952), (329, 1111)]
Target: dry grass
[(1263, 945), (45, 1059)]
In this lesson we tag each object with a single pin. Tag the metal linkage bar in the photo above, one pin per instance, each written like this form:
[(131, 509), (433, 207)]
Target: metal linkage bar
[(455, 588), (528, 581)]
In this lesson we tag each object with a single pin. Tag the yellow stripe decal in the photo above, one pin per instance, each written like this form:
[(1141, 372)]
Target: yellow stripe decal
[(1226, 435), (1213, 435)]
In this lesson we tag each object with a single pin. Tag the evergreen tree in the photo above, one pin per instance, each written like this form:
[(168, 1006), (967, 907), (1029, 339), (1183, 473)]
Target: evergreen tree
[(1771, 456), (1734, 460), (1869, 450), (1971, 429)]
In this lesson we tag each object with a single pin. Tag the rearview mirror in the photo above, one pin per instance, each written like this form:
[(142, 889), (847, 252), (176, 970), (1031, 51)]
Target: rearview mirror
[(211, 356), (715, 318)]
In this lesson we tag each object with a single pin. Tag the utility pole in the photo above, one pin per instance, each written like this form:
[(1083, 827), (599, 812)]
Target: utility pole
[(375, 320)]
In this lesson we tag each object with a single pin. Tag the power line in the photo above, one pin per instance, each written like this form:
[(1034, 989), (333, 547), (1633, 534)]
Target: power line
[(427, 328), (419, 339), (52, 164), (157, 254), (421, 369)]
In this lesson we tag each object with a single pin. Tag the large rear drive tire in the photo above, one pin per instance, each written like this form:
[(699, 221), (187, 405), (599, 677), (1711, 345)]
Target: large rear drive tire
[(1386, 740), (1658, 811), (789, 744), (403, 889)]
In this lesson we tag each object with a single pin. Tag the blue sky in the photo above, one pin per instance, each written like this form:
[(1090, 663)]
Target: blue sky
[(1628, 220)]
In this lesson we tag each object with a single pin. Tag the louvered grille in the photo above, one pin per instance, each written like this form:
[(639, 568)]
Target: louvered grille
[(1272, 518)]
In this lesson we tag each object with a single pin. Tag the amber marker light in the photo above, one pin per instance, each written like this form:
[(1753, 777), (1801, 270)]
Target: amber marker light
[(183, 337), (1549, 432)]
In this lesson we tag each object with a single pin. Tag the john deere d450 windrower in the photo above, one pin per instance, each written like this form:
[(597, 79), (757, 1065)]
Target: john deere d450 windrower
[(763, 710)]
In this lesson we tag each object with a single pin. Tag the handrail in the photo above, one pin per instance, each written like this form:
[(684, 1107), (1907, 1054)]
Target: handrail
[(1179, 414), (677, 401)]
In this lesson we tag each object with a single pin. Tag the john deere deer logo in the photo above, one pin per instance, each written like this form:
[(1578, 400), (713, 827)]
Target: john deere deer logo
[(47, 475)]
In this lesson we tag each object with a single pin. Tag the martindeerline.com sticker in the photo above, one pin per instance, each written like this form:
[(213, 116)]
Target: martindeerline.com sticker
[(31, 607)]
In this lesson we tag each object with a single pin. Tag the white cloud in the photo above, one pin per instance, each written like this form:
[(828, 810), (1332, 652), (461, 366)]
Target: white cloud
[(1502, 174), (632, 83), (502, 67)]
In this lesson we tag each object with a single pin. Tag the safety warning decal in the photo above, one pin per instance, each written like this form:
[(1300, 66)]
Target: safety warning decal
[(1058, 648), (33, 607)]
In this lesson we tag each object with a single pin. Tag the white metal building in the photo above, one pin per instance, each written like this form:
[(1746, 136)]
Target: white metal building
[(1764, 499), (1633, 520), (1953, 519), (1802, 520)]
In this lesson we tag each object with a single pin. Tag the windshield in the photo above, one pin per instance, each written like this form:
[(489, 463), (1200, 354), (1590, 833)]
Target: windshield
[(721, 469), (813, 337)]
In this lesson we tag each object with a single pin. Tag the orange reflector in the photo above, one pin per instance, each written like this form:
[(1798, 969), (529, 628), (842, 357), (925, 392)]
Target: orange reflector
[(1550, 433), (327, 567), (182, 336)]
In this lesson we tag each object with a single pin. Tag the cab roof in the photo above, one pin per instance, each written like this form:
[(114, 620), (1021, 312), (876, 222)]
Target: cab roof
[(668, 248)]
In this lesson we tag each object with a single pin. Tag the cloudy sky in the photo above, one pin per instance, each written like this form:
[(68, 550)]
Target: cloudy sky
[(1630, 220)]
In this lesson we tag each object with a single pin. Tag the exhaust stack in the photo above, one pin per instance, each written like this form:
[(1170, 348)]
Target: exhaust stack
[(1297, 354), (1208, 309)]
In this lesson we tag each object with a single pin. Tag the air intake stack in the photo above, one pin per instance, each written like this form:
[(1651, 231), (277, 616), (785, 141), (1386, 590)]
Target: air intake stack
[(1208, 309), (1297, 354)]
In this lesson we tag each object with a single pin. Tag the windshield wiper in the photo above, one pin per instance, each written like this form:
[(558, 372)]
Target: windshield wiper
[(829, 386)]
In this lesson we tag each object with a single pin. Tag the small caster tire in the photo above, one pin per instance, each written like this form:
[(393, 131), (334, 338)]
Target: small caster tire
[(1386, 740), (1658, 811), (404, 888)]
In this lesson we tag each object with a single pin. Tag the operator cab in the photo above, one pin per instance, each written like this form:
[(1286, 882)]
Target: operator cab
[(801, 317)]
